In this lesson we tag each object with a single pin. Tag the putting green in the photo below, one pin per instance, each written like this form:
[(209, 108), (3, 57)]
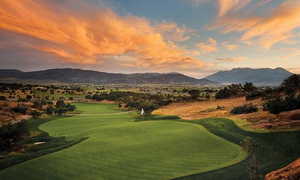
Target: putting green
[(120, 148)]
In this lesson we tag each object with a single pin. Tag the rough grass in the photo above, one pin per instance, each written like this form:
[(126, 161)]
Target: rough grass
[(118, 147)]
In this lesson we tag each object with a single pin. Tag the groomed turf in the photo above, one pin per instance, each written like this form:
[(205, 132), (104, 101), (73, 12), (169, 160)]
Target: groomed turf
[(119, 148)]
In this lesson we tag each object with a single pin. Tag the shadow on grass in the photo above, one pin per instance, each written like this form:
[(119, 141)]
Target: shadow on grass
[(50, 144), (156, 118)]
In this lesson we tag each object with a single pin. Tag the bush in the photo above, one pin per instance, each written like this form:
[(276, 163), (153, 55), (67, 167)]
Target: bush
[(36, 114), (249, 87), (281, 104), (20, 109), (11, 134), (234, 90), (3, 98), (50, 110), (253, 95), (291, 84), (194, 93), (245, 109)]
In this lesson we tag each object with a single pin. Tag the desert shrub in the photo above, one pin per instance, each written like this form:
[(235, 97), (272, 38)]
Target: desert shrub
[(39, 103), (60, 108), (70, 107), (281, 104), (20, 109), (234, 90), (22, 99), (36, 114), (3, 98), (254, 95), (244, 109), (291, 84), (60, 104), (28, 97), (194, 93), (50, 110), (249, 87)]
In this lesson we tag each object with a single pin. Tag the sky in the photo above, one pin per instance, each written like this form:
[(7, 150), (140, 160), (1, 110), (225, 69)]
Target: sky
[(194, 37)]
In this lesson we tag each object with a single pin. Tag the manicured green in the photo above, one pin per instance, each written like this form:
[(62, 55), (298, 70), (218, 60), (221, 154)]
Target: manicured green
[(119, 147), (272, 150)]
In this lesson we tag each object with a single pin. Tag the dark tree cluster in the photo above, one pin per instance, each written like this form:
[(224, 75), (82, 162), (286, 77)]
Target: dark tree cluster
[(133, 100), (11, 134), (284, 98), (291, 85), (60, 108), (281, 103)]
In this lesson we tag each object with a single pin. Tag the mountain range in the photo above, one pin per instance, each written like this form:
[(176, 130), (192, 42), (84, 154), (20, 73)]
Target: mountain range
[(263, 76), (87, 76)]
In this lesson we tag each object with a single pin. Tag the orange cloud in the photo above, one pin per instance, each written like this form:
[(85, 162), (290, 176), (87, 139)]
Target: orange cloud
[(209, 46), (231, 60), (173, 32), (276, 27), (226, 6), (230, 46), (294, 70), (82, 38)]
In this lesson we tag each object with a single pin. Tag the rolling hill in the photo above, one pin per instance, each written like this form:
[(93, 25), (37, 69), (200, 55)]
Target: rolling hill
[(87, 76), (264, 76)]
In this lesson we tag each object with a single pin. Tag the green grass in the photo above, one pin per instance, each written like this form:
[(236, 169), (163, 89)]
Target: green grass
[(273, 150), (119, 147), (53, 144)]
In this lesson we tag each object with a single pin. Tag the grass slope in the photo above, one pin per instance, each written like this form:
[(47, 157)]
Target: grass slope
[(273, 150), (120, 148)]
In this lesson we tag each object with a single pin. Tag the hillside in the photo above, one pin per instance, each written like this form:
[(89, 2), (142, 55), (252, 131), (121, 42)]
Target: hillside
[(264, 76), (87, 76)]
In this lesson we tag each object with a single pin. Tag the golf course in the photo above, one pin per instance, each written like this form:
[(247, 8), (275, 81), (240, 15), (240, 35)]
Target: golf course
[(117, 146)]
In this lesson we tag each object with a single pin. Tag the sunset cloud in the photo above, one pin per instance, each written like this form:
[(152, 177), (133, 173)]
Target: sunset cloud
[(229, 46), (275, 27), (171, 31), (208, 47), (231, 59), (91, 37), (226, 6), (294, 70)]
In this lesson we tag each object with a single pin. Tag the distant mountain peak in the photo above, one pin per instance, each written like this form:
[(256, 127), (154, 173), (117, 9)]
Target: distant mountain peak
[(261, 76), (70, 75)]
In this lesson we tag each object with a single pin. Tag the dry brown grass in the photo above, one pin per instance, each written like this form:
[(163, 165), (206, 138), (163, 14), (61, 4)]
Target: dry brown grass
[(253, 121), (204, 109), (291, 171), (9, 117)]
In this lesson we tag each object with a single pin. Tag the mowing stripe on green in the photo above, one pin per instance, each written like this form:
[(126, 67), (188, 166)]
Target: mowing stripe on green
[(119, 148)]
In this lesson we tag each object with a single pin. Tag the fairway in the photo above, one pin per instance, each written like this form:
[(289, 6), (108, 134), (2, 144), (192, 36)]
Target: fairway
[(118, 148)]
